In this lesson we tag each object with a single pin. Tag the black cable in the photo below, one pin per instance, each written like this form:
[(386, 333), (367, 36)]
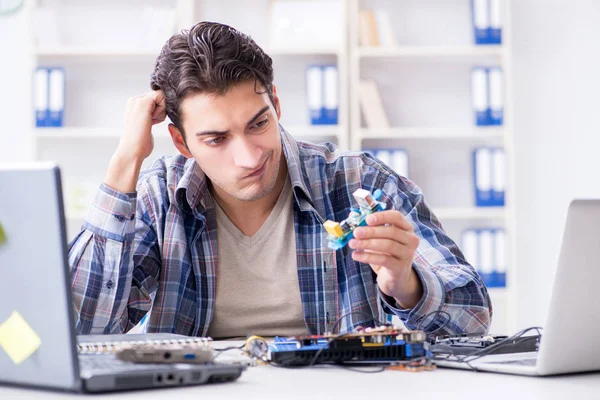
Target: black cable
[(422, 319), (469, 358), (364, 314), (224, 349)]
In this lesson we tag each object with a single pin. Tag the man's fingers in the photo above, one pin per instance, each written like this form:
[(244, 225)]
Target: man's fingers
[(384, 232), (378, 259), (389, 217), (399, 249)]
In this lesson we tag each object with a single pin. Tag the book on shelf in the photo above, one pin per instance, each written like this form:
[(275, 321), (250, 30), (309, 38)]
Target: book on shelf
[(375, 28), (371, 105)]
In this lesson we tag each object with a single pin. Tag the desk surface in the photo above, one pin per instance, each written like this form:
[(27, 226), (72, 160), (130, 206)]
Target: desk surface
[(268, 382)]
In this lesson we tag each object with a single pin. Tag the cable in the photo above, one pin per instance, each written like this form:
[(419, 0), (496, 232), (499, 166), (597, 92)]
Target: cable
[(468, 359), (224, 349), (364, 314), (422, 319)]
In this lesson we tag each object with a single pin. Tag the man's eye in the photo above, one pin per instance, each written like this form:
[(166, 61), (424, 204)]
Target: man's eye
[(262, 123), (215, 141)]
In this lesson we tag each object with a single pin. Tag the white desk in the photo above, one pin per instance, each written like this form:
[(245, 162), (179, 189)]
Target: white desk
[(267, 382)]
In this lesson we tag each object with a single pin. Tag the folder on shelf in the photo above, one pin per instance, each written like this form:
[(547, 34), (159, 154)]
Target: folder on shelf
[(385, 30), (41, 97), (330, 95), (486, 264), (495, 30), (385, 156), (479, 95), (57, 96), (400, 162), (314, 93), (367, 29), (496, 96), (499, 275), (489, 176), (481, 21), (470, 247), (371, 105), (482, 176), (498, 176)]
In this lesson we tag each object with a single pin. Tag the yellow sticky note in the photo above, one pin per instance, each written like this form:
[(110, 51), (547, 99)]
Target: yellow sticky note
[(2, 236), (18, 339)]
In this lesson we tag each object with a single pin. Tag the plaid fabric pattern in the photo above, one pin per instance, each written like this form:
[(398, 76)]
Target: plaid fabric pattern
[(155, 251)]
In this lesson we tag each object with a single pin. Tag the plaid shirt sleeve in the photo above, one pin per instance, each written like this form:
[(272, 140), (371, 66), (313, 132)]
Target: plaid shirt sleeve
[(454, 300), (109, 294)]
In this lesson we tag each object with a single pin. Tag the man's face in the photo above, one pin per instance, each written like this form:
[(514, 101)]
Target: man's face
[(235, 139)]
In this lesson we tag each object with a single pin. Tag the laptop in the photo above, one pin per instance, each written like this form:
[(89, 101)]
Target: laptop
[(569, 341), (35, 287)]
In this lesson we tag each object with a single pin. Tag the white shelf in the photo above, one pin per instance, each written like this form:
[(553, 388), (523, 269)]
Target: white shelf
[(432, 51), (433, 133), (307, 131), (68, 51), (447, 213), (308, 51), (90, 132)]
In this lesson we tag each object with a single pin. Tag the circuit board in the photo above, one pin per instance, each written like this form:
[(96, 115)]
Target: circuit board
[(381, 345)]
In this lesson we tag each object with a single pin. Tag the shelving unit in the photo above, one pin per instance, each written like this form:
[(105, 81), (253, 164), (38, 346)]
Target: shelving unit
[(424, 82), (102, 74)]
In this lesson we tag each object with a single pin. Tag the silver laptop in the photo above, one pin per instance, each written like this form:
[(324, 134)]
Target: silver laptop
[(35, 285), (569, 340)]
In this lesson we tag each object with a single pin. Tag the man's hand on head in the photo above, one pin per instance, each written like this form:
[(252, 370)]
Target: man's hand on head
[(388, 244)]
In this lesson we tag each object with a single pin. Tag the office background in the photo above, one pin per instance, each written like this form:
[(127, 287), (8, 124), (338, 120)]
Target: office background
[(553, 86)]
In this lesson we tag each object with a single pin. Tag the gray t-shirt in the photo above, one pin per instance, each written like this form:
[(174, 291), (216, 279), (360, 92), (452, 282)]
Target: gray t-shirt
[(257, 277)]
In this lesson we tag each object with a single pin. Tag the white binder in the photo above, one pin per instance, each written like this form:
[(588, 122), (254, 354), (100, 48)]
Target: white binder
[(479, 95), (57, 96), (481, 21), (486, 246), (470, 247), (330, 95), (314, 93), (483, 176), (496, 84), (385, 157), (400, 162), (495, 31), (499, 175)]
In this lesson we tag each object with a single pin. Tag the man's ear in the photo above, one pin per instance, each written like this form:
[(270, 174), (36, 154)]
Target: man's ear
[(178, 141), (276, 102)]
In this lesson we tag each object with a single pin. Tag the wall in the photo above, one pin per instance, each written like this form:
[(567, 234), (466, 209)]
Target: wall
[(556, 81), (15, 70)]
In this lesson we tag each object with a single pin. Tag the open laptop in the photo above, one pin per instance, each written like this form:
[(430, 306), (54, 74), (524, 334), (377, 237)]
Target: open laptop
[(35, 284), (569, 341)]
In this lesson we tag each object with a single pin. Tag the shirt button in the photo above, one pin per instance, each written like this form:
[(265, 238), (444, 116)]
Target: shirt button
[(110, 284)]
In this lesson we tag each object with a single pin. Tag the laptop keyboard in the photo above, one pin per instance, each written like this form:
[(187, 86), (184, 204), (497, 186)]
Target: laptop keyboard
[(99, 362), (527, 361)]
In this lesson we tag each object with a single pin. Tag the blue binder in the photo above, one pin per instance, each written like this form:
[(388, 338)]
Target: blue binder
[(330, 95), (495, 29), (498, 176), (499, 274), (484, 249), (480, 14), (41, 97), (489, 177), (480, 95), (56, 104), (496, 96), (314, 94)]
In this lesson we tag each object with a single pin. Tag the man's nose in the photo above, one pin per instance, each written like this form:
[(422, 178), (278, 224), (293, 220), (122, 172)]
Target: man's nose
[(246, 154)]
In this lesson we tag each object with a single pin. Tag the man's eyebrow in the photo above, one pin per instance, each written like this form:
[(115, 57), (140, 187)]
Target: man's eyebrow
[(212, 133), (222, 133), (258, 114)]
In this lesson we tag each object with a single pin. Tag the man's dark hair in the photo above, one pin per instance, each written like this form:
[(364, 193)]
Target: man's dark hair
[(208, 58)]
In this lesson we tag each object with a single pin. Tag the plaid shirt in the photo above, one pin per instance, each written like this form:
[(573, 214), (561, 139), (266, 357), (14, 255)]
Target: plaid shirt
[(156, 249)]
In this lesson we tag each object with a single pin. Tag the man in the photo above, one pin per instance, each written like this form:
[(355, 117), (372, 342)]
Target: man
[(227, 240)]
